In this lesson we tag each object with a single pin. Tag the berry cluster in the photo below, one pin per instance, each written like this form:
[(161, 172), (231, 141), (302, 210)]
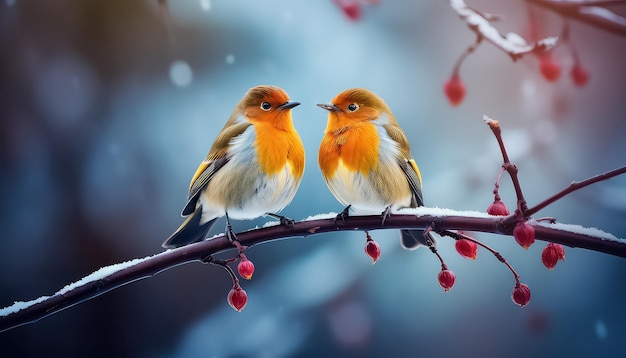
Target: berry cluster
[(549, 67), (523, 231), (237, 297), (467, 247)]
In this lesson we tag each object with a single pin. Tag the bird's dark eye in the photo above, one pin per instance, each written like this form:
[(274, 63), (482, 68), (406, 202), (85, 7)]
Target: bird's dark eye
[(353, 107), (266, 106)]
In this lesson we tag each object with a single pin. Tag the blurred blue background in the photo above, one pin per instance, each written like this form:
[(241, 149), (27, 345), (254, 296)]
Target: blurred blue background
[(107, 107)]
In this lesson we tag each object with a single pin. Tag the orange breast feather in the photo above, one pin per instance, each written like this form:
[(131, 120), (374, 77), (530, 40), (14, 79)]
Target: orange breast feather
[(277, 146), (356, 146)]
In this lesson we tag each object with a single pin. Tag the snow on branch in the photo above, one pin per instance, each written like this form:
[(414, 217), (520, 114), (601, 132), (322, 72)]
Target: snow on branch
[(593, 13), (117, 275), (511, 43)]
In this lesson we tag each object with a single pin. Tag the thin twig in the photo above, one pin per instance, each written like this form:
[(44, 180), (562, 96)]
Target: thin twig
[(575, 186), (522, 210), (509, 167)]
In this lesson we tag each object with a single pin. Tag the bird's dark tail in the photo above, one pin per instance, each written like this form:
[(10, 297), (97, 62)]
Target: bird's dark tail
[(190, 231), (412, 239)]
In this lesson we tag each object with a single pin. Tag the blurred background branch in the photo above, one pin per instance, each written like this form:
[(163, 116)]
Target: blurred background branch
[(511, 43), (593, 13)]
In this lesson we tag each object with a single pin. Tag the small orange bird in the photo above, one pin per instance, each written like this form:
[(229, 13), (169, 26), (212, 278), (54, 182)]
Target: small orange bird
[(254, 167), (366, 160)]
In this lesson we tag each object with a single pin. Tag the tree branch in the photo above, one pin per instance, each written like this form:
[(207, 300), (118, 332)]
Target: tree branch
[(513, 44), (114, 276), (575, 186), (522, 210), (430, 219), (590, 12)]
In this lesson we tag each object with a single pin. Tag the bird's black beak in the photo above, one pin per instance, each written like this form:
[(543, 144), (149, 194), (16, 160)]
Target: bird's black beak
[(289, 105), (329, 107)]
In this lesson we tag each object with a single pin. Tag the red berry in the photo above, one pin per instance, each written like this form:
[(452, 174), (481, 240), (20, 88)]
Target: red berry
[(372, 249), (498, 208), (524, 234), (454, 90), (551, 254), (446, 279), (351, 8), (580, 76), (245, 268), (550, 69), (521, 294), (560, 250), (466, 248), (237, 298)]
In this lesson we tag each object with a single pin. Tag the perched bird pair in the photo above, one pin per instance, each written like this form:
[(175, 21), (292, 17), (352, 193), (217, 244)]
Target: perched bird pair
[(255, 164)]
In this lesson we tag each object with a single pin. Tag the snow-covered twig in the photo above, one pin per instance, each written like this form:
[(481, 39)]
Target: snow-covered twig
[(593, 13), (511, 43)]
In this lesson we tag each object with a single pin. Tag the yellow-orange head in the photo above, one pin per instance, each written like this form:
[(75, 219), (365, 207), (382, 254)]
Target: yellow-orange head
[(352, 134), (268, 108), (277, 143), (355, 105), (267, 104)]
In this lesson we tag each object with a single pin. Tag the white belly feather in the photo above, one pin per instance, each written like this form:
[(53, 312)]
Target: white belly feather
[(242, 190), (356, 189)]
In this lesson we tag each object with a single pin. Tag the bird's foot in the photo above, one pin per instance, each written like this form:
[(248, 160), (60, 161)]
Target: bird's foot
[(284, 221), (343, 214), (385, 214)]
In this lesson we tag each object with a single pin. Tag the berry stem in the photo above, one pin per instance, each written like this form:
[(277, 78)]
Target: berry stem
[(496, 189), (224, 264), (458, 236), (511, 169), (467, 52), (432, 247), (565, 37)]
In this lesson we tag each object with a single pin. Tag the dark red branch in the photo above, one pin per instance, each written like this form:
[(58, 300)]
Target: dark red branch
[(575, 186), (509, 167), (199, 252), (522, 210)]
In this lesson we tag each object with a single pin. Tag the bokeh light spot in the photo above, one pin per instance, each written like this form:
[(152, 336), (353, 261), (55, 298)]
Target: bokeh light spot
[(205, 5), (601, 330), (181, 74)]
